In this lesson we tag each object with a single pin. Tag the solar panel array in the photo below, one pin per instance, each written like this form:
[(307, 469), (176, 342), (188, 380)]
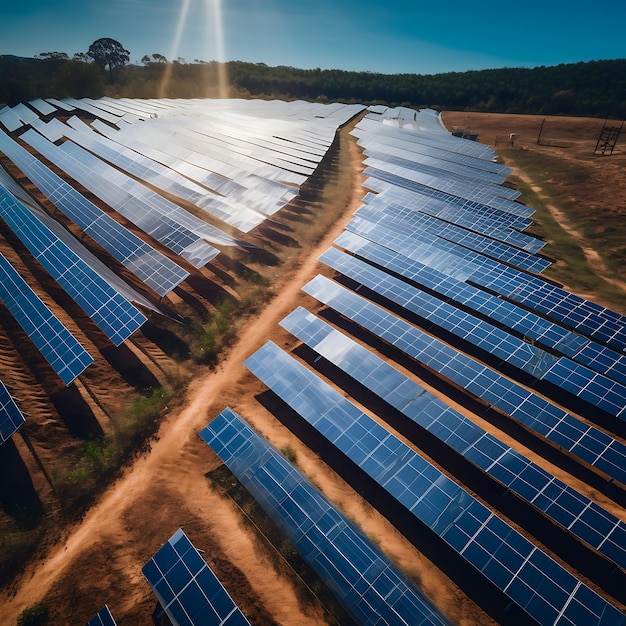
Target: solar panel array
[(509, 561), (155, 269), (364, 581), (568, 508), (599, 390), (111, 311), (11, 417), (442, 256), (171, 225), (592, 446), (57, 345), (187, 589)]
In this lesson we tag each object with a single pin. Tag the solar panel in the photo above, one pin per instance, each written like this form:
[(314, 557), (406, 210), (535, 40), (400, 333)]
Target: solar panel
[(398, 220), (576, 379), (524, 573), (565, 506), (57, 345), (113, 313), (163, 226), (364, 581), (155, 269), (10, 119), (590, 445), (187, 589), (11, 417), (162, 177), (102, 618), (42, 106)]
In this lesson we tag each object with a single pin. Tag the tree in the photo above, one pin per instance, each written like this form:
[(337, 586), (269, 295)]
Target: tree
[(109, 54), (52, 56), (82, 57)]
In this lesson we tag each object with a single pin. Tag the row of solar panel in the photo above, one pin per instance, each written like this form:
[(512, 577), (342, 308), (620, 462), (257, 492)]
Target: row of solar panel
[(363, 580), (590, 523), (490, 223), (531, 579), (600, 391), (376, 246), (588, 444)]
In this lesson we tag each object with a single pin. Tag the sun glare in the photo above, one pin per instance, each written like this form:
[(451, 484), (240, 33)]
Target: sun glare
[(167, 75), (215, 19), (213, 35)]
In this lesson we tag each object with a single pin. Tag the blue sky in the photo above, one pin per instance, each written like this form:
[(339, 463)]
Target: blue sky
[(425, 37)]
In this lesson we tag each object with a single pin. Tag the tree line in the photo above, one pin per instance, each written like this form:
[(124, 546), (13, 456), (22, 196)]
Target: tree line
[(594, 88)]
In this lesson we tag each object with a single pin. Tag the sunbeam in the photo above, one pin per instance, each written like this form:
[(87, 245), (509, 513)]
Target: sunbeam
[(216, 21), (167, 75)]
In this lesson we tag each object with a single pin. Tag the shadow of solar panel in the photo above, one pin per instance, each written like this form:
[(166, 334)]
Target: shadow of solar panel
[(57, 345), (11, 417), (187, 589), (102, 618), (155, 269), (113, 314), (363, 580), (528, 576), (576, 379), (565, 506), (590, 445)]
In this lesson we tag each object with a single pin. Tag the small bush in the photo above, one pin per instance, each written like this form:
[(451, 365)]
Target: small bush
[(34, 615), (289, 453)]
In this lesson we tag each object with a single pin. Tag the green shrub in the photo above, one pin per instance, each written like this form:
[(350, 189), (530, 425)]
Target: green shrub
[(34, 615), (289, 453)]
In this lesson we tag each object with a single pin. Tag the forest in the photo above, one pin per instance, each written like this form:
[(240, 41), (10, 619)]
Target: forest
[(594, 88)]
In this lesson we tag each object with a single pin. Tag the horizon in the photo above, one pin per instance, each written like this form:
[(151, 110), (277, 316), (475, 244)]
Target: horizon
[(347, 35)]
